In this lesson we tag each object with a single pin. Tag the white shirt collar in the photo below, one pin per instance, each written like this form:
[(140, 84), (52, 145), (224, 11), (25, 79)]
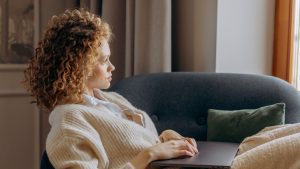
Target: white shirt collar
[(93, 101)]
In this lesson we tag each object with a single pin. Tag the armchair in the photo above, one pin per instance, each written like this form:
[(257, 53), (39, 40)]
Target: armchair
[(180, 100)]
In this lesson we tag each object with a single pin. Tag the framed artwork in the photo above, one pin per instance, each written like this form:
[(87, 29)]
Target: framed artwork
[(16, 31)]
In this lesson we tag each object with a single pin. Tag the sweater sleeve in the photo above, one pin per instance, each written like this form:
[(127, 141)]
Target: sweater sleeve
[(75, 153), (74, 144)]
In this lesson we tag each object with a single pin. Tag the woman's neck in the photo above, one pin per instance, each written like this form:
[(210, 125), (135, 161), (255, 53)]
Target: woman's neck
[(89, 92)]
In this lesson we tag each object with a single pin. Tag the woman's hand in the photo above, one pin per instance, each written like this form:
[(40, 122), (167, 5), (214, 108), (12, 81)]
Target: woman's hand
[(172, 149), (161, 151), (168, 135)]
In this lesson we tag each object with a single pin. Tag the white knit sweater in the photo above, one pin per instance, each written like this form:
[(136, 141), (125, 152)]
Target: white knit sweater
[(92, 138)]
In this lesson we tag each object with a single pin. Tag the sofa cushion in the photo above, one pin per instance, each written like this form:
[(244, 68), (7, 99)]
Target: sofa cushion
[(235, 125)]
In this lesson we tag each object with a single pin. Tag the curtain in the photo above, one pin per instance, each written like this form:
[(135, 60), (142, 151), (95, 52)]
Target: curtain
[(283, 40), (153, 36), (142, 35)]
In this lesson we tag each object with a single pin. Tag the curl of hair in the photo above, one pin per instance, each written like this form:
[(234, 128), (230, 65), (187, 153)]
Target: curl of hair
[(65, 57)]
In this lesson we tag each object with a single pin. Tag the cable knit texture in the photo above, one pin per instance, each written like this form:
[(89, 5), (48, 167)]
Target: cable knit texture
[(92, 138), (275, 147)]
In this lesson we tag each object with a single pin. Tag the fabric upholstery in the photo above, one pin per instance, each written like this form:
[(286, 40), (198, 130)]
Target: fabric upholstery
[(45, 163), (236, 125), (181, 100)]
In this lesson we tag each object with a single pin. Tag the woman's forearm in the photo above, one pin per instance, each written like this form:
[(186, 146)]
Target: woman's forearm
[(160, 151), (142, 160)]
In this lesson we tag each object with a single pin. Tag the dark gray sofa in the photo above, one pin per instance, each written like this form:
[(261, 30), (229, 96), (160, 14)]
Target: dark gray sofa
[(180, 100)]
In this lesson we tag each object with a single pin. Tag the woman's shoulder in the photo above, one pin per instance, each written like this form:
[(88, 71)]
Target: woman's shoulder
[(70, 121), (68, 111), (64, 107)]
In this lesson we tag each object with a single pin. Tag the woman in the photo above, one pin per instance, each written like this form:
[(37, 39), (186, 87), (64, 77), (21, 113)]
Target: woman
[(91, 128)]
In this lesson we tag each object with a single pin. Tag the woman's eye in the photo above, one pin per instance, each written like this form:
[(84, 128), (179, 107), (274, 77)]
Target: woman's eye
[(105, 61)]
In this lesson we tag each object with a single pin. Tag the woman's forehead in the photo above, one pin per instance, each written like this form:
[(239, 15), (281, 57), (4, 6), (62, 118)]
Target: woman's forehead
[(104, 48)]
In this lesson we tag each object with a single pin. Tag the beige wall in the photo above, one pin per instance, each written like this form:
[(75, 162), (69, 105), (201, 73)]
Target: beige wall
[(245, 36), (19, 122), (21, 140)]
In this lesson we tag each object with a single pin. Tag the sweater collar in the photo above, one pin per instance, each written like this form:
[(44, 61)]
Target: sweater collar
[(131, 112)]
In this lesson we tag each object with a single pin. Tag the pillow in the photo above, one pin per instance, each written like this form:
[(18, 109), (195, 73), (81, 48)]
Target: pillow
[(234, 126)]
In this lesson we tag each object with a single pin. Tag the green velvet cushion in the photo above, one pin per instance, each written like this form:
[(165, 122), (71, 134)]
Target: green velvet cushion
[(235, 125)]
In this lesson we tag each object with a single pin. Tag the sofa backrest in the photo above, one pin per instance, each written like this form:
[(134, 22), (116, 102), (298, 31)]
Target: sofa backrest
[(180, 100)]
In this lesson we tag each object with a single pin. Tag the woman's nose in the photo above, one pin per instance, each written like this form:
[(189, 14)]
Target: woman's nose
[(111, 67)]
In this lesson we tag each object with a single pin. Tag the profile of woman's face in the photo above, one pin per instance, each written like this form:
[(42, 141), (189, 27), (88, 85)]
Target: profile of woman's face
[(102, 74)]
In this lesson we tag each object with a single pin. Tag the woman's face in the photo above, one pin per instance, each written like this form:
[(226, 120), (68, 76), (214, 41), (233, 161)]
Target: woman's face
[(102, 74)]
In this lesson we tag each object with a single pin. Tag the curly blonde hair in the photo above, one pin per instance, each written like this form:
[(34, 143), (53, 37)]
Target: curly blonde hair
[(65, 57)]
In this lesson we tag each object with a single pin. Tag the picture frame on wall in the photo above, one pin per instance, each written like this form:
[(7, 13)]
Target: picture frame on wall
[(17, 32)]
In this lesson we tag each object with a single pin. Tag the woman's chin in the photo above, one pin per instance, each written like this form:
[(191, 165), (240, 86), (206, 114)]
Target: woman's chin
[(106, 86)]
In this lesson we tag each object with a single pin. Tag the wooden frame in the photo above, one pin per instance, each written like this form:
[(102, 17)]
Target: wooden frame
[(14, 50), (4, 27), (283, 40)]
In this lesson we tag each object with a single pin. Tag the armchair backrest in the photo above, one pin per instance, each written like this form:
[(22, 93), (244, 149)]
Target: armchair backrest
[(181, 100), (45, 163)]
